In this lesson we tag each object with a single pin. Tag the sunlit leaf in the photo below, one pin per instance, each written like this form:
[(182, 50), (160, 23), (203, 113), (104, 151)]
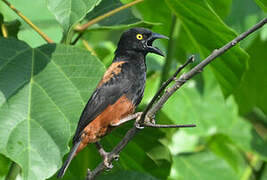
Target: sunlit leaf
[(204, 165), (207, 32), (44, 20), (70, 12)]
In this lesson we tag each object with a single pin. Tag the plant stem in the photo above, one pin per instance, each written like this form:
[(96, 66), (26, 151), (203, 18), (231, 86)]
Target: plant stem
[(42, 34), (13, 171), (4, 30), (175, 26)]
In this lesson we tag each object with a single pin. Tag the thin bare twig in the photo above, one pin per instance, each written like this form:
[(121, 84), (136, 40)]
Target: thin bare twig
[(82, 28), (42, 34), (178, 83), (168, 125)]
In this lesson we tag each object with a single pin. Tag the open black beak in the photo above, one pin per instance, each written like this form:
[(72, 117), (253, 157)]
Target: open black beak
[(150, 41)]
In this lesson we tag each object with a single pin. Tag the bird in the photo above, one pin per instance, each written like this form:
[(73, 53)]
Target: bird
[(117, 94)]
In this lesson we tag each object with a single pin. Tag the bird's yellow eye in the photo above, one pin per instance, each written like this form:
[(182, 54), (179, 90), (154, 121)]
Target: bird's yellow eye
[(139, 36)]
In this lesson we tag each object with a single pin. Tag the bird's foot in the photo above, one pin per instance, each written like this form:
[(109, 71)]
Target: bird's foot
[(138, 126), (107, 159), (105, 155)]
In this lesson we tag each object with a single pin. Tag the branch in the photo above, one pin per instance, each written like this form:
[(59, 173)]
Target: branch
[(82, 28), (150, 111), (42, 34), (168, 125)]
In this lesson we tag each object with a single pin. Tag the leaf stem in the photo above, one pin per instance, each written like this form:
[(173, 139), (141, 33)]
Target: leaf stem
[(42, 34), (13, 171), (4, 30)]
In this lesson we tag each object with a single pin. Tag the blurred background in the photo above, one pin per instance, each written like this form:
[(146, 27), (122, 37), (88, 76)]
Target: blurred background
[(227, 101)]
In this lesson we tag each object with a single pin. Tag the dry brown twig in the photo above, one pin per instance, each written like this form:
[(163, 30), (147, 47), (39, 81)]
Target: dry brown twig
[(147, 116)]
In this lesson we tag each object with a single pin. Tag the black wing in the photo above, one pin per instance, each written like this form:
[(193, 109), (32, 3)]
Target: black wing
[(107, 94)]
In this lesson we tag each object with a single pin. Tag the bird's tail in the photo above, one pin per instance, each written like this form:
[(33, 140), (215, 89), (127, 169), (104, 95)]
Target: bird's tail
[(68, 160)]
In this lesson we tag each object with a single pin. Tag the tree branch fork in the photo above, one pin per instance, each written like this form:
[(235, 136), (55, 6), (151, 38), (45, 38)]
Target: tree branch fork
[(147, 117)]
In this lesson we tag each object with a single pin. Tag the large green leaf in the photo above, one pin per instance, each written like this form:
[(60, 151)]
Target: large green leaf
[(43, 91), (221, 7), (162, 16), (254, 86), (204, 165), (70, 12), (223, 147), (208, 32)]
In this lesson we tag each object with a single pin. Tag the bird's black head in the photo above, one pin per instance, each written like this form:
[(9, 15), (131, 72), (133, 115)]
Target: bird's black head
[(139, 40)]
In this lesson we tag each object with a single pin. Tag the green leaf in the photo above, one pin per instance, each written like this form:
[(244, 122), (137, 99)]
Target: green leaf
[(69, 12), (208, 32), (45, 21), (4, 165), (223, 147), (204, 165), (254, 86), (221, 7), (162, 15), (43, 92), (140, 23), (262, 4), (126, 175), (122, 20)]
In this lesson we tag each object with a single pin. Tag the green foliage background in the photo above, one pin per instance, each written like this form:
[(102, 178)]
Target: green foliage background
[(44, 87)]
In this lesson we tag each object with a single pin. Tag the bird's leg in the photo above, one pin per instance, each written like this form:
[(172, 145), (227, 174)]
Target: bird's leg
[(105, 155), (126, 119)]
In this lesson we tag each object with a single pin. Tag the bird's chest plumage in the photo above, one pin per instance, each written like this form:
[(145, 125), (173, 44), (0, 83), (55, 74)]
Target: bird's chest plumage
[(137, 77)]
